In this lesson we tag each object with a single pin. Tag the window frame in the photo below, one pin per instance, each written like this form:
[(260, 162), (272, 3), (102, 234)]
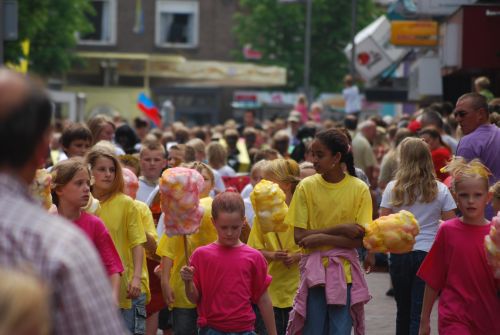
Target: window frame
[(113, 10), (181, 7)]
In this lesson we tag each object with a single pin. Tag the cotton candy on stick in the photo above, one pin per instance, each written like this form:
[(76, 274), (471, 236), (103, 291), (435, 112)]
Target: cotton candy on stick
[(180, 189), (40, 188), (393, 233), (492, 244), (268, 201)]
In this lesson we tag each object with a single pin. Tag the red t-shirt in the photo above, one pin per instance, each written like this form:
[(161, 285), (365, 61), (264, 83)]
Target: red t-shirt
[(456, 265), (440, 157), (229, 280), (95, 229)]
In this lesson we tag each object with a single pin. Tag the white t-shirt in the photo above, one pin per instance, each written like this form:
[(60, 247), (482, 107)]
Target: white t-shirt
[(427, 214), (226, 171), (219, 183), (245, 192), (144, 190), (249, 213), (452, 143), (352, 99)]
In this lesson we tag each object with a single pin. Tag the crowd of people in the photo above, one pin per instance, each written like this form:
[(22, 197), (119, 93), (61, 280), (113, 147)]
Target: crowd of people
[(99, 260)]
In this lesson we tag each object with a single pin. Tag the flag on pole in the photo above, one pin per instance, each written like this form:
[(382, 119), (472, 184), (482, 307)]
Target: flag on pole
[(149, 109), (139, 18)]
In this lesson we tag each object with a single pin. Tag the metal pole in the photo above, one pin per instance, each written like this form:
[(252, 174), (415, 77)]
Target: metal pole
[(307, 51), (1, 33), (354, 5)]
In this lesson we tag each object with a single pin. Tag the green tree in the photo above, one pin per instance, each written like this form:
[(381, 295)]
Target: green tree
[(51, 27), (277, 30)]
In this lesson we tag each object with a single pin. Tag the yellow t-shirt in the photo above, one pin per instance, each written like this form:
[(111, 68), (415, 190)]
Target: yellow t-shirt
[(173, 248), (121, 217), (285, 280), (148, 224), (318, 204)]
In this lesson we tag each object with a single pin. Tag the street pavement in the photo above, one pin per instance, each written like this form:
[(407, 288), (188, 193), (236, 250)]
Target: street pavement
[(380, 312)]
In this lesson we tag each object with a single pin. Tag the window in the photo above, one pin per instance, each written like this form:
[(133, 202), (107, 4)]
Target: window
[(177, 24), (104, 23)]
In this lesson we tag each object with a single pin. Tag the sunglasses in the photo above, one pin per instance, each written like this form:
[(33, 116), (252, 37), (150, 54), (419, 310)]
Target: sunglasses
[(461, 114)]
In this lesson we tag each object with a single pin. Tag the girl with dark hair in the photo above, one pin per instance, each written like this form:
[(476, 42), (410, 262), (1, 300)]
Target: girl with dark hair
[(328, 211)]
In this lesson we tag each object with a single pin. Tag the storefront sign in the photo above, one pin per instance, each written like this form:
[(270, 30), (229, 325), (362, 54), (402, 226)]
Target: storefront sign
[(414, 33)]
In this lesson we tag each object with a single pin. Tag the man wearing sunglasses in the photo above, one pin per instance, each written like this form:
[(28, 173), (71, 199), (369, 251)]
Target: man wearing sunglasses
[(481, 139)]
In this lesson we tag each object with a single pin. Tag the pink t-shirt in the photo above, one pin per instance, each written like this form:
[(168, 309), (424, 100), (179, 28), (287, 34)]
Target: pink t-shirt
[(95, 229), (229, 280), (456, 265)]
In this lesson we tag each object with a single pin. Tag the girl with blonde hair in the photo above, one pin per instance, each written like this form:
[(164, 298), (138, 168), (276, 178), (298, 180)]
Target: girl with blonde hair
[(417, 190), (122, 218), (456, 267), (71, 181), (280, 249)]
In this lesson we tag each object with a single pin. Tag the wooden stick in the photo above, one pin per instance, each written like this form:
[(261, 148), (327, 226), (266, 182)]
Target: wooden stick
[(279, 242), (186, 253)]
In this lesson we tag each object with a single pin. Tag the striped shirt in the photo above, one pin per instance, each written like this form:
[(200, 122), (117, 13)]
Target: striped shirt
[(57, 252)]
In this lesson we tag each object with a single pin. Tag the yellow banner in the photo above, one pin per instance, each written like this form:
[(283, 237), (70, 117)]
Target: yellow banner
[(22, 67), (414, 33)]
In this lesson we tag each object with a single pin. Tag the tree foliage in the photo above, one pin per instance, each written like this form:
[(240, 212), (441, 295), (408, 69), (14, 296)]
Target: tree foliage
[(278, 31), (51, 27)]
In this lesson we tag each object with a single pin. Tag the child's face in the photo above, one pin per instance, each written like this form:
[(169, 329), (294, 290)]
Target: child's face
[(77, 191), (104, 172), (322, 157), (77, 148), (175, 158), (107, 133), (472, 196), (152, 163), (207, 185), (228, 226)]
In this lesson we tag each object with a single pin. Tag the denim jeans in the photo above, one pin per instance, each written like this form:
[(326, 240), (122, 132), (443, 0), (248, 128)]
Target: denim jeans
[(408, 290), (211, 331), (184, 321), (323, 319), (135, 317)]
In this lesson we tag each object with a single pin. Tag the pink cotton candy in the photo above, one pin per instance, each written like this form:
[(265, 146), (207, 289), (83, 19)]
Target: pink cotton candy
[(131, 183), (180, 189)]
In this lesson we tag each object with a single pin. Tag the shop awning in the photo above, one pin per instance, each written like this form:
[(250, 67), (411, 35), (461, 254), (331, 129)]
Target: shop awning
[(204, 73)]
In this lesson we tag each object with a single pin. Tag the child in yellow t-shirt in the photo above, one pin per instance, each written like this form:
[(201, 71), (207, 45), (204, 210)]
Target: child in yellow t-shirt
[(171, 249), (121, 216), (327, 211), (279, 249)]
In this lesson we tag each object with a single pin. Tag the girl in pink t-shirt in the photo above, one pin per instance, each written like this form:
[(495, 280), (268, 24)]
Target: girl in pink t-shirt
[(456, 266), (71, 192)]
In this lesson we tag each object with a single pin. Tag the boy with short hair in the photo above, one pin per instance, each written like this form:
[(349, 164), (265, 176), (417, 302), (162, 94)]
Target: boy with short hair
[(227, 276), (152, 161), (76, 140)]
